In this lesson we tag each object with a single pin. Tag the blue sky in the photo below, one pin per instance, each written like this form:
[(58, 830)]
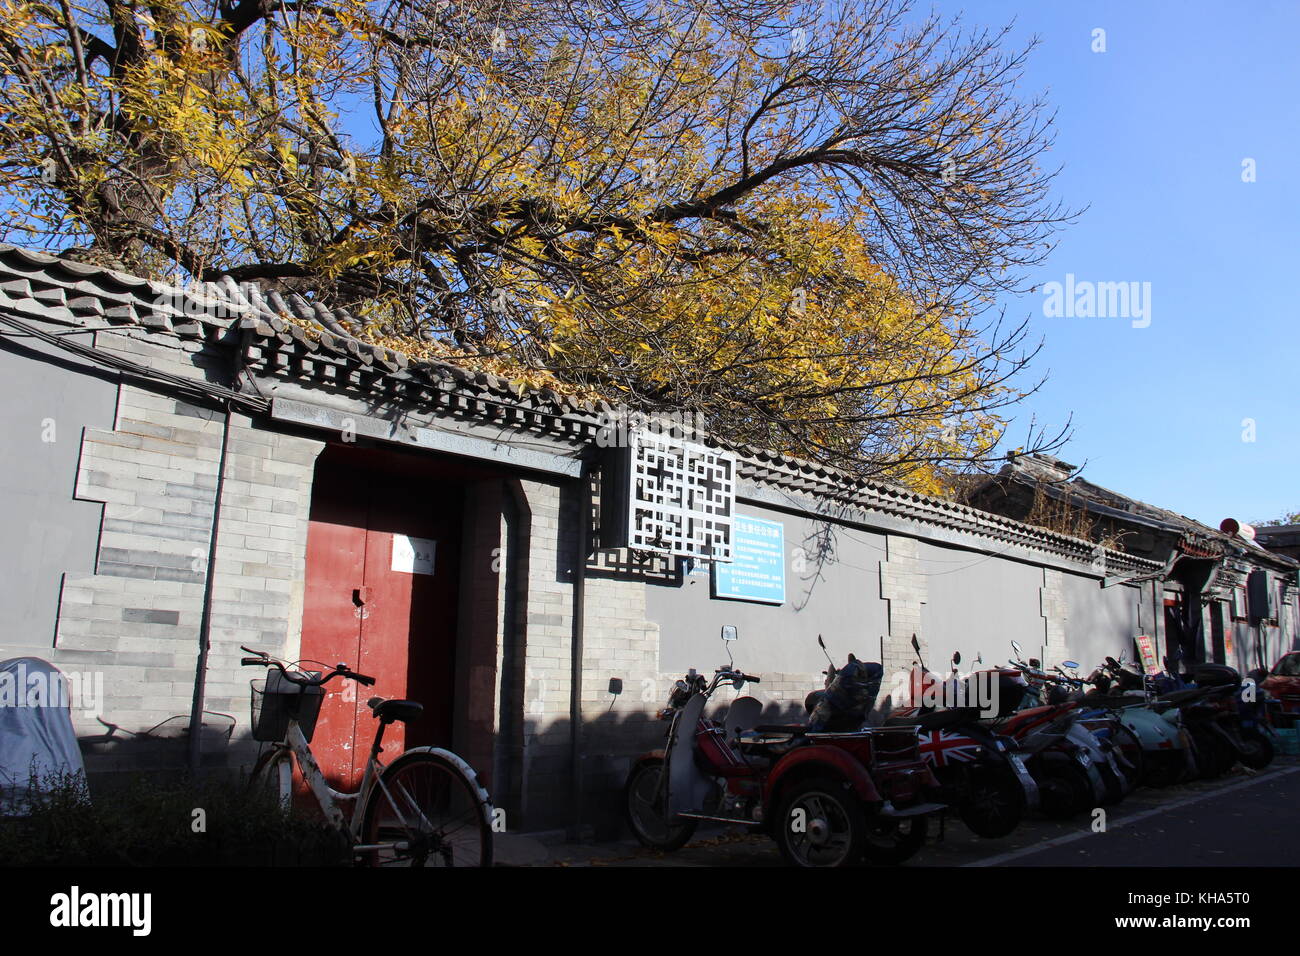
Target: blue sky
[(1151, 135)]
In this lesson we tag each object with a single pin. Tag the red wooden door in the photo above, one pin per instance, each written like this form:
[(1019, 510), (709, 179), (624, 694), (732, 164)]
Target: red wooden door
[(380, 595)]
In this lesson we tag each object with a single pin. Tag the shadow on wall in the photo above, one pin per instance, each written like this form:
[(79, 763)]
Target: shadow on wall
[(610, 743), (164, 748)]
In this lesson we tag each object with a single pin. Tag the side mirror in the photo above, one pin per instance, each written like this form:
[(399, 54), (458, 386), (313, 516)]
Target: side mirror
[(1072, 665), (956, 658), (916, 645), (1015, 646), (729, 632)]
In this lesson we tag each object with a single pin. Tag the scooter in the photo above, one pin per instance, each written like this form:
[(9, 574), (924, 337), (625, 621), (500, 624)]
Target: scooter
[(981, 772), (1061, 758), (827, 798), (1168, 755), (1059, 755), (1256, 725), (1103, 767), (1212, 705), (1105, 723)]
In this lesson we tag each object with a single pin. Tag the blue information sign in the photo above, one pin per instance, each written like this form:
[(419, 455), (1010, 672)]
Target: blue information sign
[(757, 569)]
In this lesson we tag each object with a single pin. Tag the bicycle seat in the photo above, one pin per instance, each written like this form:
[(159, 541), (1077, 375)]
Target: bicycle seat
[(391, 710)]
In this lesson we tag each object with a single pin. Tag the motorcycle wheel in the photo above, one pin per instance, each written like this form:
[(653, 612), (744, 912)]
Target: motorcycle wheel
[(892, 840), (645, 815), (1258, 749), (1131, 747), (1064, 789), (821, 823), (994, 804)]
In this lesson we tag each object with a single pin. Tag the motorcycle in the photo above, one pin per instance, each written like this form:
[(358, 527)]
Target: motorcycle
[(1105, 723), (1059, 755), (1256, 725), (1108, 769), (1225, 716), (980, 771), (1168, 755), (828, 798)]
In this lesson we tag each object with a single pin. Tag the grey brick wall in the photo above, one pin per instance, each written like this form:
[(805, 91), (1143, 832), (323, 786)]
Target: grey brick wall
[(618, 642), (136, 619)]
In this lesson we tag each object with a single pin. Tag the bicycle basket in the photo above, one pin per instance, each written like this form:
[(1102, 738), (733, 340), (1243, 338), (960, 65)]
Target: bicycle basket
[(277, 700)]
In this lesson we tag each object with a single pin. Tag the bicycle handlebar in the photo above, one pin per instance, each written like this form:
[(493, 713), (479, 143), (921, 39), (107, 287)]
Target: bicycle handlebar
[(265, 660)]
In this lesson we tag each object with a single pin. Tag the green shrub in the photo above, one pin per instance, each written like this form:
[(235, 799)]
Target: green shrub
[(146, 823)]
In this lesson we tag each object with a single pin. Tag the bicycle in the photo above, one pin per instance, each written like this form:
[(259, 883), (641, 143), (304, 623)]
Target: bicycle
[(424, 808)]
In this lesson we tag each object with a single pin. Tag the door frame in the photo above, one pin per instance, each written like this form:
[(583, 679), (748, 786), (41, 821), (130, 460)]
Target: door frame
[(480, 620)]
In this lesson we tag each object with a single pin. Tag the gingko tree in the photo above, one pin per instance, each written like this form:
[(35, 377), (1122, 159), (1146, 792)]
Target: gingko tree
[(791, 221)]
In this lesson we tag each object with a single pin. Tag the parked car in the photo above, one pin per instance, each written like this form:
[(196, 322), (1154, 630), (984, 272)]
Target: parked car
[(1283, 682)]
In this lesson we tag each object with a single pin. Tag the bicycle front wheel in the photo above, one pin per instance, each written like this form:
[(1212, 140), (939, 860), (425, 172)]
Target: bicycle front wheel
[(427, 810), (272, 779)]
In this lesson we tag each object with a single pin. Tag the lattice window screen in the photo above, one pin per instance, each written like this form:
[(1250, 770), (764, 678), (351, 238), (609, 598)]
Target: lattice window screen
[(681, 497)]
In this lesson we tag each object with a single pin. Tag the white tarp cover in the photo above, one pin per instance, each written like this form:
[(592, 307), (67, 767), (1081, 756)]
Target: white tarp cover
[(36, 735)]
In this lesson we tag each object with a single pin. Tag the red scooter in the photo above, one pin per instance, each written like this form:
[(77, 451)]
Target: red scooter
[(827, 798)]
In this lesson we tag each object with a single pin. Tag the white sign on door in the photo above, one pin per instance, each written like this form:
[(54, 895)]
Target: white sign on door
[(413, 555)]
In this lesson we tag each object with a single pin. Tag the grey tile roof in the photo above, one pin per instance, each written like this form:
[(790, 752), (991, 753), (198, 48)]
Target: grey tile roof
[(58, 289), (1053, 476)]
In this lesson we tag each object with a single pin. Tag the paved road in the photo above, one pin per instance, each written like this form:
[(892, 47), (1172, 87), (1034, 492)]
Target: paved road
[(1243, 819), (1246, 823)]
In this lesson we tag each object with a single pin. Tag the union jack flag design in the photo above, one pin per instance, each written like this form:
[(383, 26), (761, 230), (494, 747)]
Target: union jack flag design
[(942, 747)]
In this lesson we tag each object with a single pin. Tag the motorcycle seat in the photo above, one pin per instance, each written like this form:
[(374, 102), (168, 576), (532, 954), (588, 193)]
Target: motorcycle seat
[(936, 720), (797, 730), (1182, 696)]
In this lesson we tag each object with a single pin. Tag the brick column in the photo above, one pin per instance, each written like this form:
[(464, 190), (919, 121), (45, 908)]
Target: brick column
[(904, 587), (546, 622), (1055, 611)]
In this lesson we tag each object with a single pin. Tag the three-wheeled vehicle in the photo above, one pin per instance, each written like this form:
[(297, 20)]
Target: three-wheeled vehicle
[(828, 798)]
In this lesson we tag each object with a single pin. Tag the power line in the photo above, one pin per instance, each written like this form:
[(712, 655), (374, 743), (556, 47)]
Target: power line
[(188, 387)]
